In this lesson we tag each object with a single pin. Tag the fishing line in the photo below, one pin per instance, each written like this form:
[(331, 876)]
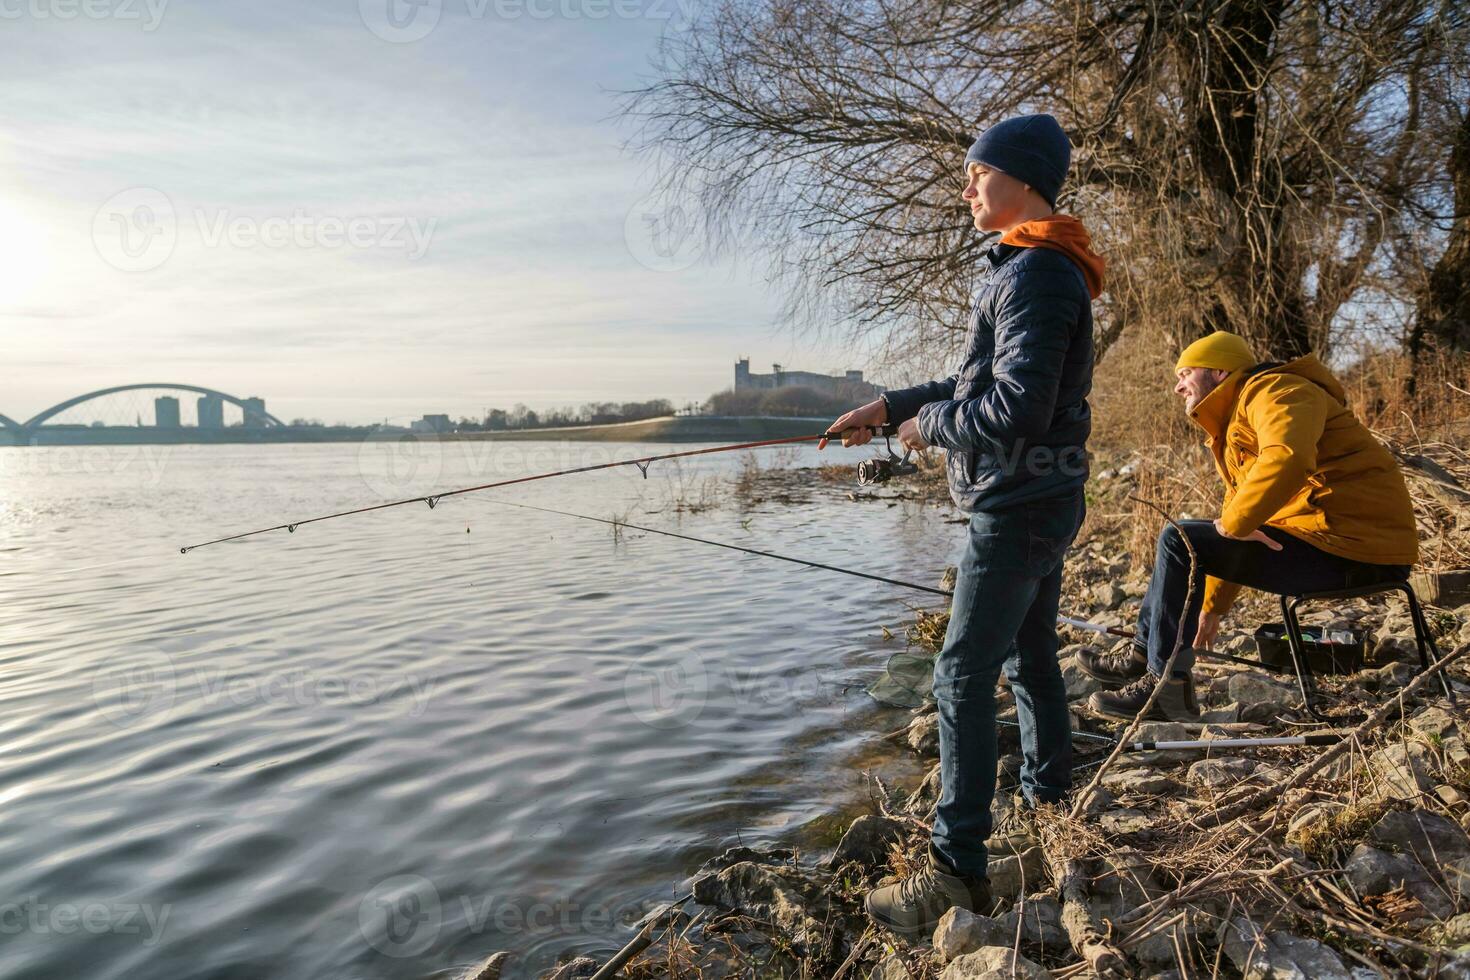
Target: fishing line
[(1080, 624), (732, 547), (642, 463)]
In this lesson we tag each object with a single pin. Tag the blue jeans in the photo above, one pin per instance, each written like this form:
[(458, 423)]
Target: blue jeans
[(1004, 615), (1298, 567)]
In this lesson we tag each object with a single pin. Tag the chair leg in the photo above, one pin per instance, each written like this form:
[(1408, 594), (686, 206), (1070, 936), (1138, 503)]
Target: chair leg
[(1428, 651), (1299, 657)]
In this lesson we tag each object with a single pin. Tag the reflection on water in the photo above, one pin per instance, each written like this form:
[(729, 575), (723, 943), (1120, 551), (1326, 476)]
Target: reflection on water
[(392, 744)]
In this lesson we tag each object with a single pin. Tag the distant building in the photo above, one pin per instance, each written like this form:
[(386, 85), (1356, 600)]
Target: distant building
[(166, 412), (211, 412), (254, 412), (431, 423), (850, 384)]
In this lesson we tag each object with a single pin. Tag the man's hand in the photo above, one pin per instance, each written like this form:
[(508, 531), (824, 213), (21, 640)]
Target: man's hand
[(874, 414), (908, 435), (1256, 535), (1208, 629)]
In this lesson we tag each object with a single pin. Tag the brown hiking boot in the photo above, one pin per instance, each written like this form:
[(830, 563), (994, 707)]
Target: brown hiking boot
[(1115, 669), (1015, 831), (1176, 701), (913, 906)]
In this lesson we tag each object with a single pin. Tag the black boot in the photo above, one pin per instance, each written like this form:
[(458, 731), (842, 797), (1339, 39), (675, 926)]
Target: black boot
[(1114, 669)]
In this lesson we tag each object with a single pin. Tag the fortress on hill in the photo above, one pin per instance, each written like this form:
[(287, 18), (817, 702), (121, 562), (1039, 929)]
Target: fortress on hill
[(850, 383)]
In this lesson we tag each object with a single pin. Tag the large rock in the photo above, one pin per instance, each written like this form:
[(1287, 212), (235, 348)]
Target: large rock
[(923, 799), (762, 892), (1040, 920), (1457, 930), (1279, 955), (1015, 875), (491, 968), (1109, 595), (1395, 647), (1403, 770), (1147, 781), (1225, 714), (577, 969), (1261, 698), (924, 735), (1434, 721), (1374, 872), (994, 963), (1456, 876), (1125, 820), (1162, 731), (1080, 684), (891, 967), (962, 931), (1427, 836), (1219, 773), (867, 841)]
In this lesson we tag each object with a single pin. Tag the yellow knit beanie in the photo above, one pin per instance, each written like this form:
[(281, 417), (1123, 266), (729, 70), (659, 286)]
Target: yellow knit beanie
[(1221, 350)]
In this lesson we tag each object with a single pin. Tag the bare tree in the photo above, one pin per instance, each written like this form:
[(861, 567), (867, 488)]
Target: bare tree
[(1443, 319), (1244, 164)]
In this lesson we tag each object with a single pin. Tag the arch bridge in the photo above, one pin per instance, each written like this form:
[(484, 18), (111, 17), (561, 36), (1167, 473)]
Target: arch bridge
[(41, 418)]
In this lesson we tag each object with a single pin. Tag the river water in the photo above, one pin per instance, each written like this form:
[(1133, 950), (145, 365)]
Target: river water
[(389, 745)]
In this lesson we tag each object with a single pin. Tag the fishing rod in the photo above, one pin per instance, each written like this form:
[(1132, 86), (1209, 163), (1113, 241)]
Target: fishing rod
[(642, 463), (1326, 738)]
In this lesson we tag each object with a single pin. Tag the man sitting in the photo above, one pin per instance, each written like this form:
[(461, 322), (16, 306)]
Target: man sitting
[(1313, 503)]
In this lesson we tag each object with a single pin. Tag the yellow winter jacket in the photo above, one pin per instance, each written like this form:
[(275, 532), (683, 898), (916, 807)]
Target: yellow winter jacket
[(1293, 457)]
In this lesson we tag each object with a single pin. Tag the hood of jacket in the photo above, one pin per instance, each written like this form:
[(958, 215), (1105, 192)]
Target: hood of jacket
[(1062, 233), (1215, 409)]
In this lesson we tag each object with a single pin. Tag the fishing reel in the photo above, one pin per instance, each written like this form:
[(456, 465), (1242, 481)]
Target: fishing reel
[(881, 469)]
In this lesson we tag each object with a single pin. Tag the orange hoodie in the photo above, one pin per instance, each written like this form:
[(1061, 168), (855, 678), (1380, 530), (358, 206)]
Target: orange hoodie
[(1062, 233)]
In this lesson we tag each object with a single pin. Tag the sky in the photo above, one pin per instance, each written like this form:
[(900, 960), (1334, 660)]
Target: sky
[(357, 209)]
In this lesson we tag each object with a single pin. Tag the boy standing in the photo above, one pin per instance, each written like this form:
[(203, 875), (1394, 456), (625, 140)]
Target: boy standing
[(1014, 422)]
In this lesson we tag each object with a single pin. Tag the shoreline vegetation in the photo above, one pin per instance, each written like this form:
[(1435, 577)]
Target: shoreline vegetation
[(1345, 862)]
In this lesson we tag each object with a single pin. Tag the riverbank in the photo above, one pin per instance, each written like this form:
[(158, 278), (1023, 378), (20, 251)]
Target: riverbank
[(667, 428), (1349, 861)]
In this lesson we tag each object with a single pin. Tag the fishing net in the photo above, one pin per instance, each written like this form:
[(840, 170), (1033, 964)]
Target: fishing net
[(907, 680)]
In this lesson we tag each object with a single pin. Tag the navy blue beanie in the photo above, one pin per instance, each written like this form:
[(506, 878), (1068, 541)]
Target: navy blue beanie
[(1032, 149)]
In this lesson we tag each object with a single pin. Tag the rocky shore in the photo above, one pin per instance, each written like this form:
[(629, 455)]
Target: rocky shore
[(1345, 861)]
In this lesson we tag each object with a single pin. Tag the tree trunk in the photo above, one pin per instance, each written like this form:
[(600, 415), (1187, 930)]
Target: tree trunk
[(1443, 320)]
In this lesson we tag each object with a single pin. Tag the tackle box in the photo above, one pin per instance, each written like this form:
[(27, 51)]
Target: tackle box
[(1327, 651)]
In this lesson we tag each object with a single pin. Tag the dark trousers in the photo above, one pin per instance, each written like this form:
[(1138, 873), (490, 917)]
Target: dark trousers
[(1004, 616), (1298, 567)]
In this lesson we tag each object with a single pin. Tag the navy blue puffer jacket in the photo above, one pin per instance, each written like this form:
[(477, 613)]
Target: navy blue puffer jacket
[(1014, 419)]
